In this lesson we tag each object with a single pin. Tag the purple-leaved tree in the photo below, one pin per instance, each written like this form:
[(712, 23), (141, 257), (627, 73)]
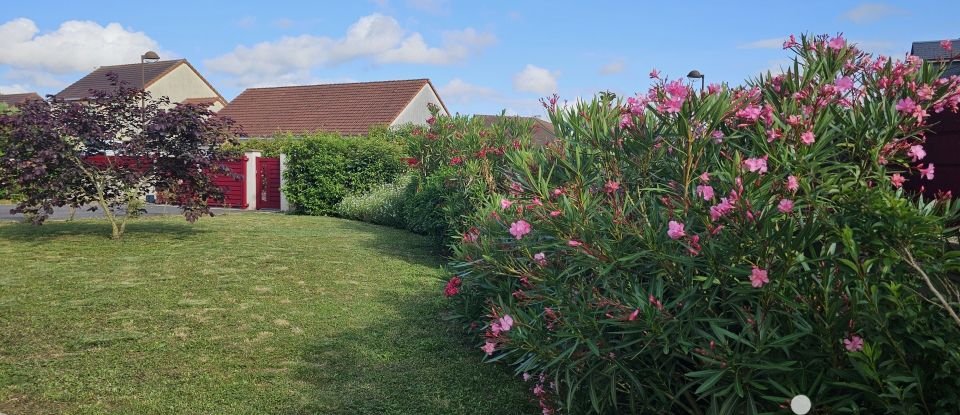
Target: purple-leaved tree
[(112, 149)]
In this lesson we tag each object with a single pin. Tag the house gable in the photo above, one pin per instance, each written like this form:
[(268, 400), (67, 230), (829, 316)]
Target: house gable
[(417, 111), (184, 84)]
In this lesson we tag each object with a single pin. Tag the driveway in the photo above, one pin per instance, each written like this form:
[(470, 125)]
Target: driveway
[(64, 213)]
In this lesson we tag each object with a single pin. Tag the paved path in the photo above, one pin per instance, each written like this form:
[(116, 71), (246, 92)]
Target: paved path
[(64, 213)]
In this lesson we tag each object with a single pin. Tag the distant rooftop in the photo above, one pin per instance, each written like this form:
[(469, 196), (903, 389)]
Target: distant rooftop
[(543, 133), (14, 100)]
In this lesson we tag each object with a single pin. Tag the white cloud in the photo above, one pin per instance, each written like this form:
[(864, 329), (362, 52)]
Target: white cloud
[(459, 91), (772, 43), (536, 80), (375, 37), (75, 46), (871, 12), (15, 89), (456, 47), (613, 68)]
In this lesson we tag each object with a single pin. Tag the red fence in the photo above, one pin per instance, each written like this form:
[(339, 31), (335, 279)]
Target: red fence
[(234, 188)]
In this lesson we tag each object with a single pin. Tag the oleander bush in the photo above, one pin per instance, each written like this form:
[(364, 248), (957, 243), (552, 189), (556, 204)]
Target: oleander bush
[(721, 251), (324, 168), (455, 164)]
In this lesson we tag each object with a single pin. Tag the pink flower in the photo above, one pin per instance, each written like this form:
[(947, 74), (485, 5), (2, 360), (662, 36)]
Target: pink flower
[(489, 347), (519, 228), (456, 161), (505, 204), (717, 136), (672, 105), (791, 42), (758, 277), (633, 315), (574, 243), (756, 165), (925, 93), (471, 235), (751, 113), (719, 210), (916, 152), (947, 45), (705, 177), (536, 202), (626, 121), (453, 287), (906, 106), (675, 230), (705, 191), (785, 206), (506, 322), (773, 134), (793, 183), (713, 89), (611, 186), (853, 344), (526, 377), (844, 84), (897, 180), (807, 137), (540, 258), (431, 120), (654, 74), (927, 172), (555, 213), (837, 43)]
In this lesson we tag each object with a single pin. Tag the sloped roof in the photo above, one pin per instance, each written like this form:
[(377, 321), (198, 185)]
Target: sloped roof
[(931, 50), (17, 99), (129, 73), (348, 109), (542, 133)]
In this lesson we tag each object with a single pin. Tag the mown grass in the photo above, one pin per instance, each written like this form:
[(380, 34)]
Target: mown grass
[(238, 314)]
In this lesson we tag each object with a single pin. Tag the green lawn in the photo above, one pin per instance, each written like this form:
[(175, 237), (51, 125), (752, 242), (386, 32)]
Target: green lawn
[(238, 314)]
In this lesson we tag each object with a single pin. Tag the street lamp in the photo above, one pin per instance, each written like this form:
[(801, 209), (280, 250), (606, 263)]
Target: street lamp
[(149, 56), (694, 74)]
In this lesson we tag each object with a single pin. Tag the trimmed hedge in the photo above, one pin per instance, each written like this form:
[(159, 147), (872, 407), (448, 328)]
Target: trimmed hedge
[(323, 169)]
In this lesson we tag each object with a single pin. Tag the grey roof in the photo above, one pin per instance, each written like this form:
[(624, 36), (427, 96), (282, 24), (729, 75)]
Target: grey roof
[(952, 69), (931, 50)]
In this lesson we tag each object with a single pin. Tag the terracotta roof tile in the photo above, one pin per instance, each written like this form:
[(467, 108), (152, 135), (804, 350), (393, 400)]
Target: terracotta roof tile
[(17, 99), (349, 109), (129, 73)]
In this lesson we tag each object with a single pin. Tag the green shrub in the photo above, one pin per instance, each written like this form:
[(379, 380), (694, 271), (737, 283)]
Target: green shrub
[(322, 169), (724, 251), (455, 161), (382, 205)]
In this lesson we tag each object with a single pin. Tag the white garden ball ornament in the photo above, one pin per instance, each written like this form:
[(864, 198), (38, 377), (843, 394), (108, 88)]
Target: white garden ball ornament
[(800, 404)]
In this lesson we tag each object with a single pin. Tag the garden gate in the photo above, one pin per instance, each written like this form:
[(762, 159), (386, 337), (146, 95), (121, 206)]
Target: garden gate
[(268, 183)]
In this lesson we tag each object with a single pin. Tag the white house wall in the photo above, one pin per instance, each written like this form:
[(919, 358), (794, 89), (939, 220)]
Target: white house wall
[(182, 83), (416, 111)]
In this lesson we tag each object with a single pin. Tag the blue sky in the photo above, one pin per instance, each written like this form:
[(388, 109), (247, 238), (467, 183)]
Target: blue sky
[(482, 56)]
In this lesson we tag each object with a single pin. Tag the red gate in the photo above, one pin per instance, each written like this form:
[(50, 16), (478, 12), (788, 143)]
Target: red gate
[(268, 183)]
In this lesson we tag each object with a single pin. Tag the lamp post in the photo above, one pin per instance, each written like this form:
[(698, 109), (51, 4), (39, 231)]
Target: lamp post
[(149, 56), (694, 74)]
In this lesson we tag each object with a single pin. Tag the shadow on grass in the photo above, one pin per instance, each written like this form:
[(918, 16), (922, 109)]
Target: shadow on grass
[(397, 243), (406, 361), (94, 227)]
